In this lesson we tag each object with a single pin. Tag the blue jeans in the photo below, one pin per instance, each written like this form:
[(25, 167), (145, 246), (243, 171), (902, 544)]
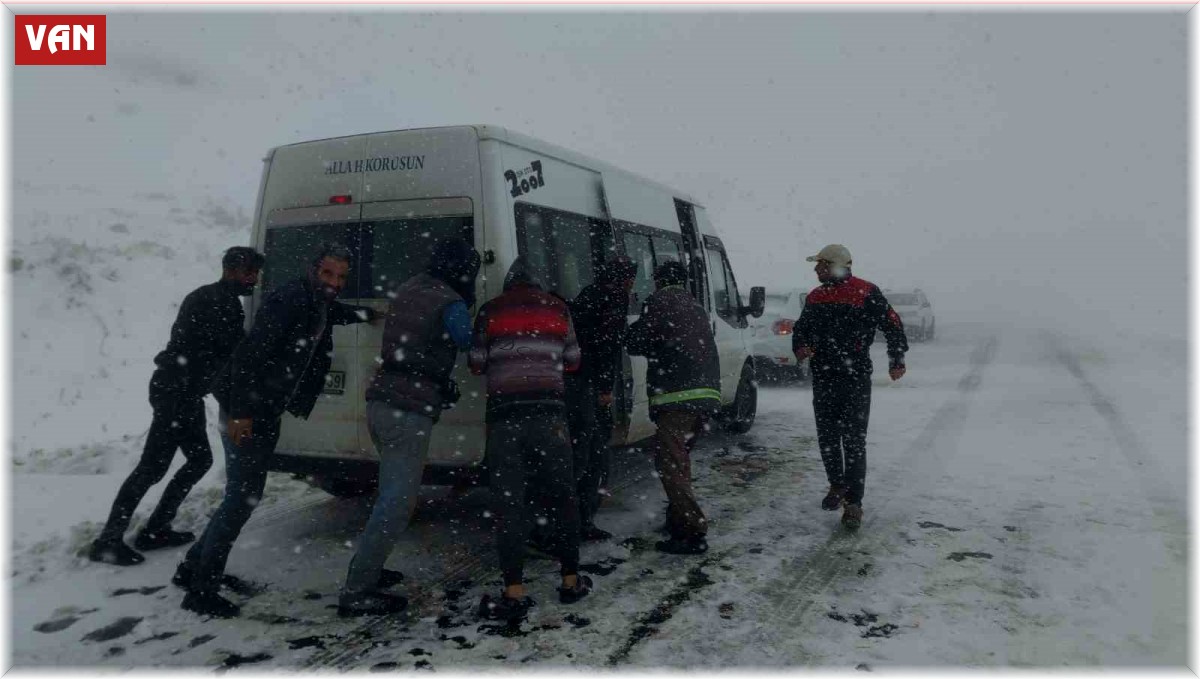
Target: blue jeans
[(402, 439), (246, 474)]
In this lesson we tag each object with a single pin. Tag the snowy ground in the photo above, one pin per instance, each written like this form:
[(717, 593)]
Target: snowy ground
[(1025, 506), (1021, 511)]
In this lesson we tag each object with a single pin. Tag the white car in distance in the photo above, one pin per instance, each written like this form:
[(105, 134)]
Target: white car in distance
[(771, 338), (915, 312)]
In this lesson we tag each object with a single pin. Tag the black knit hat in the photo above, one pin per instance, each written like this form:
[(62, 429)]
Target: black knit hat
[(454, 261), (618, 269)]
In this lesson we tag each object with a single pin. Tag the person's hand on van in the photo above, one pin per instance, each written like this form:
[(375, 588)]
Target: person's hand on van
[(240, 430), (605, 400), (803, 353), (369, 315)]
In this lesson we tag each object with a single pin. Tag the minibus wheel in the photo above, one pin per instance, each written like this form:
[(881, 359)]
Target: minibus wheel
[(745, 403)]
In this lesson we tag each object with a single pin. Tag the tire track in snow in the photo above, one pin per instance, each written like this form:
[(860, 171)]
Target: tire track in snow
[(1165, 506), (827, 562), (1168, 591), (671, 585)]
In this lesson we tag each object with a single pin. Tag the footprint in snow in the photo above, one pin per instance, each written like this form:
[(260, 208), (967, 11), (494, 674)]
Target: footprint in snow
[(959, 556), (52, 626), (137, 590), (934, 524), (116, 630)]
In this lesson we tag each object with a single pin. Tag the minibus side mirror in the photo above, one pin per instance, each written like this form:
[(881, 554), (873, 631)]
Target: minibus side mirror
[(758, 301)]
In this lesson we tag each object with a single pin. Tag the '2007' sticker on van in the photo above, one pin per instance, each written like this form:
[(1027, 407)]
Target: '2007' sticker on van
[(526, 180)]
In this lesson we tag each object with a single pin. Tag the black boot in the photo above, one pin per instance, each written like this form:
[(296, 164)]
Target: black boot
[(852, 516), (388, 578), (569, 595), (183, 575), (370, 603), (116, 553), (161, 539), (210, 603), (833, 499), (505, 608), (183, 578)]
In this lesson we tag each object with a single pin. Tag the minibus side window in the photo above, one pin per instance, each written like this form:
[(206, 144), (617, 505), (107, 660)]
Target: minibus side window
[(735, 297), (561, 248), (724, 288), (667, 250), (638, 249), (717, 282)]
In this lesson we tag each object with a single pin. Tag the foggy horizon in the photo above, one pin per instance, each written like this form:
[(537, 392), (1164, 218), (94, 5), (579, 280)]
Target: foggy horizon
[(977, 155)]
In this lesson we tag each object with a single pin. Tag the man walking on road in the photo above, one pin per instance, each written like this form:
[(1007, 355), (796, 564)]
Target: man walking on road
[(280, 367), (835, 331), (206, 330), (683, 381)]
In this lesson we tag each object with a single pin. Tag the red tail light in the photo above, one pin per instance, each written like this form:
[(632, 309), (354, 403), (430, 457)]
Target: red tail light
[(339, 200), (782, 327)]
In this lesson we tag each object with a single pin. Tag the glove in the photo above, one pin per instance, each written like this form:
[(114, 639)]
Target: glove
[(450, 394)]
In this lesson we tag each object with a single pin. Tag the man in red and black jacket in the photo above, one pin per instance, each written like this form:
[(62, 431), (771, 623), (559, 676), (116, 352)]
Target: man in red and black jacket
[(523, 341), (835, 331)]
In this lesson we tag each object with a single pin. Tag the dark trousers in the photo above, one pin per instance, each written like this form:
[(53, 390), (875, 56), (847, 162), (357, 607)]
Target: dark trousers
[(246, 475), (677, 432), (527, 446), (178, 423), (842, 405), (590, 425)]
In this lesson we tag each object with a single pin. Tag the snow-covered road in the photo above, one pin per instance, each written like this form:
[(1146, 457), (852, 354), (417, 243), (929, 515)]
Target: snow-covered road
[(1020, 512)]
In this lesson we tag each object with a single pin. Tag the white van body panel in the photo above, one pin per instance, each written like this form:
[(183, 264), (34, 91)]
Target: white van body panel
[(424, 173)]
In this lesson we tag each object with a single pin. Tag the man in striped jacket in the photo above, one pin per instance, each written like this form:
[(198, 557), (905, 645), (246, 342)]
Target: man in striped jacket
[(523, 342), (683, 381)]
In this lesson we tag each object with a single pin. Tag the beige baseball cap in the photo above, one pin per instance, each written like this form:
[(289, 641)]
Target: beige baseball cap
[(834, 254)]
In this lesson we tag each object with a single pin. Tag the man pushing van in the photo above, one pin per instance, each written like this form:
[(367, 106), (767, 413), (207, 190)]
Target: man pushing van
[(523, 342), (683, 383), (428, 322), (280, 367), (205, 332)]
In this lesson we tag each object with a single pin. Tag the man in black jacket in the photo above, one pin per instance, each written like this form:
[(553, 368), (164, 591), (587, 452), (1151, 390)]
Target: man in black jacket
[(599, 313), (683, 381), (835, 331), (280, 367), (207, 328)]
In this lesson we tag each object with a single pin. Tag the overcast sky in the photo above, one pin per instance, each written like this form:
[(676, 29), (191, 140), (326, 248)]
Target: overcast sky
[(1019, 166)]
